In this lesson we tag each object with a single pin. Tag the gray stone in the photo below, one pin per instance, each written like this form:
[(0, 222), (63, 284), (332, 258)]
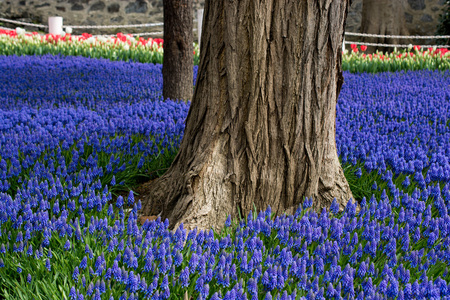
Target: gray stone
[(88, 22), (79, 1), (408, 18), (61, 8), (139, 6), (42, 5), (98, 6), (426, 18), (156, 4), (113, 8), (117, 19), (417, 4), (77, 7)]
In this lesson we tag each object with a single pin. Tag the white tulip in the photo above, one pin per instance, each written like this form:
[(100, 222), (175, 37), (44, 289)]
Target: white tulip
[(69, 30), (90, 40), (20, 31), (102, 39)]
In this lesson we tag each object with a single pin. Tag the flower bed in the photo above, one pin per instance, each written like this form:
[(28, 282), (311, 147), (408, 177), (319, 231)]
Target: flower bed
[(126, 47), (413, 58), (119, 47), (72, 129)]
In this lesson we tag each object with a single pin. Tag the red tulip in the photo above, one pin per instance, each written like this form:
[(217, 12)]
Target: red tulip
[(159, 42)]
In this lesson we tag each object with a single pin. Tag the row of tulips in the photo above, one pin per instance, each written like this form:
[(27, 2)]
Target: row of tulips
[(65, 141), (412, 58), (120, 47), (127, 47)]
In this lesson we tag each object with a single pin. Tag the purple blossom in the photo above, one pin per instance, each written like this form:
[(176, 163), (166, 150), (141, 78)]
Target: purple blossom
[(83, 263), (228, 221), (47, 265), (130, 200), (73, 293)]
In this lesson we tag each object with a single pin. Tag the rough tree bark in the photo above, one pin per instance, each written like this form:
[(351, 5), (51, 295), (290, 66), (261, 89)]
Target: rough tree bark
[(178, 50), (261, 126), (386, 17)]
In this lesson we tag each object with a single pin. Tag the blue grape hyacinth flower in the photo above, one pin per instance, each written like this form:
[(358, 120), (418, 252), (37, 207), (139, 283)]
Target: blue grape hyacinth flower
[(334, 208)]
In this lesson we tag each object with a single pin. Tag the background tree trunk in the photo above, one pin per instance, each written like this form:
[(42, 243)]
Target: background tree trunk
[(261, 126), (384, 17), (178, 49)]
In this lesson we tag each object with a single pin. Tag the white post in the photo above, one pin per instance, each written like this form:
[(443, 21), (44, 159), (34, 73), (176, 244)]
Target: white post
[(55, 25), (199, 24), (343, 45)]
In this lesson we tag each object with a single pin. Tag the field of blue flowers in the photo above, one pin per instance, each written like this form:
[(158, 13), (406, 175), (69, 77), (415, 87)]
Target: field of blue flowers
[(75, 132)]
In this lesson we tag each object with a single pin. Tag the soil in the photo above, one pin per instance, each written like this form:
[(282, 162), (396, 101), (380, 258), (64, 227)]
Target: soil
[(140, 190)]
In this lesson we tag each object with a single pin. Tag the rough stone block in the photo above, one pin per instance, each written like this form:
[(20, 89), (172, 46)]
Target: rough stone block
[(117, 19), (426, 18), (417, 4), (113, 8), (78, 1), (42, 5), (139, 6), (408, 18), (77, 7), (98, 6)]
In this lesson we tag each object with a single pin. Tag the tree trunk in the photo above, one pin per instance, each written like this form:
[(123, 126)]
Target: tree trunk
[(178, 50), (386, 17), (261, 127)]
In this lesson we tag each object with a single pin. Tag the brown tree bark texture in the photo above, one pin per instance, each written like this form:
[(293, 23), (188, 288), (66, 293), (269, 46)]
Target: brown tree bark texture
[(385, 17), (178, 50), (261, 127)]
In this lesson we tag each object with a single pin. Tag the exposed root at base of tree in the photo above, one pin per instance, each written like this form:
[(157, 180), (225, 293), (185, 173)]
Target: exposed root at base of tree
[(168, 198)]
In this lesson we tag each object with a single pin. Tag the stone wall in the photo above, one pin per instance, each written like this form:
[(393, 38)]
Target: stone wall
[(86, 12), (421, 15)]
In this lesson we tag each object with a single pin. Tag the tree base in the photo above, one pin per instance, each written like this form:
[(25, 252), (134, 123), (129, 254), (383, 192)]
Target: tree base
[(204, 199), (261, 126)]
